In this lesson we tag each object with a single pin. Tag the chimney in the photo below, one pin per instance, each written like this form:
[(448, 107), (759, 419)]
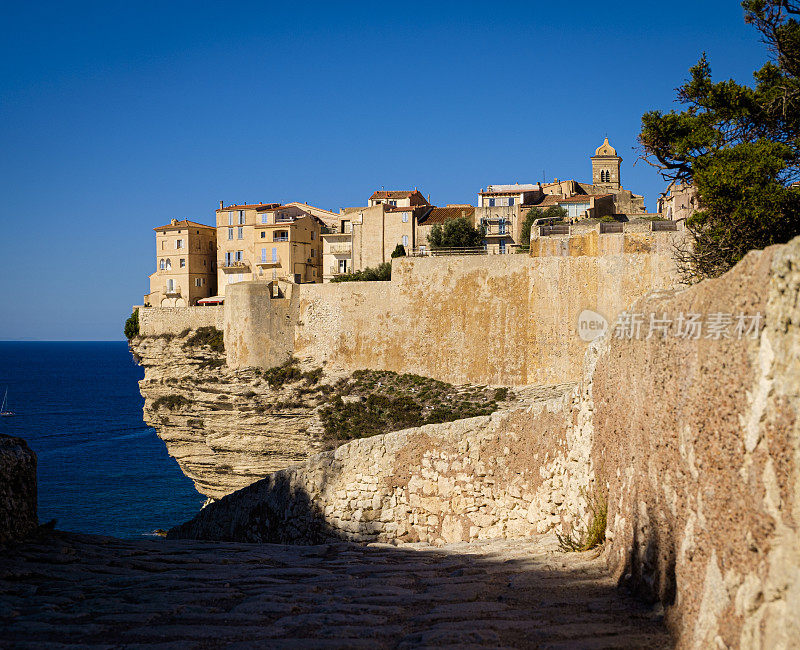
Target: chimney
[(221, 205)]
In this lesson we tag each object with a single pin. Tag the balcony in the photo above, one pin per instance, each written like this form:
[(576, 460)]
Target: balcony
[(268, 263), (335, 270), (344, 248), (175, 290), (233, 265), (285, 219)]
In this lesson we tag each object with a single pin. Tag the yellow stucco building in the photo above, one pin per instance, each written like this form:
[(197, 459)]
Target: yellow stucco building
[(185, 264), (268, 241)]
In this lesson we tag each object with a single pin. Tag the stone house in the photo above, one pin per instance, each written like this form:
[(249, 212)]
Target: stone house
[(266, 242), (434, 216), (185, 264), (680, 201)]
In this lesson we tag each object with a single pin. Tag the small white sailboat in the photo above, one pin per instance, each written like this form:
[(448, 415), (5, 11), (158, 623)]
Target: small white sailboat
[(3, 411)]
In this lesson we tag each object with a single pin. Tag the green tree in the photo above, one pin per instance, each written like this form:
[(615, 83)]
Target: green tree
[(740, 148), (132, 325), (382, 272), (554, 212), (455, 233), (399, 251)]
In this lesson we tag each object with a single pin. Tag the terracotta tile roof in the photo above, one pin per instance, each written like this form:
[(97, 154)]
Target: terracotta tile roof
[(400, 208), (393, 194), (248, 206), (577, 198), (440, 215), (184, 223)]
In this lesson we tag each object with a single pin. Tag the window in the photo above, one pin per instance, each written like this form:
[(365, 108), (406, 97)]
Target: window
[(163, 244), (265, 218), (501, 227), (230, 233), (228, 258), (491, 203), (263, 254), (511, 200), (170, 285), (405, 217), (280, 235), (183, 263), (230, 218), (239, 256), (313, 252), (241, 217), (405, 240), (502, 247), (263, 234), (198, 282), (347, 227), (240, 233), (274, 254), (161, 265), (169, 264), (393, 203), (312, 235), (178, 243), (342, 266)]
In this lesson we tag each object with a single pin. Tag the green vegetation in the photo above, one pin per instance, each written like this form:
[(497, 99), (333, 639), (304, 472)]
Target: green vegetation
[(207, 336), (382, 401), (594, 533), (553, 212), (288, 373), (379, 273), (739, 147), (132, 325), (170, 402), (399, 251), (456, 233)]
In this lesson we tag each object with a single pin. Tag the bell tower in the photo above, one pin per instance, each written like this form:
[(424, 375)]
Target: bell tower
[(606, 167)]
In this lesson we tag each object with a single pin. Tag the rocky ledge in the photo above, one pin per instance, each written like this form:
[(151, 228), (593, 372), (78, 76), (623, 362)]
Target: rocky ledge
[(18, 516), (229, 428)]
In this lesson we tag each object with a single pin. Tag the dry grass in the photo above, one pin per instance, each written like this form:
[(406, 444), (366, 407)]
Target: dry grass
[(593, 534)]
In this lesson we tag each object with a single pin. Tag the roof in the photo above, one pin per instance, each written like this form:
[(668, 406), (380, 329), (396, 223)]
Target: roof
[(213, 300), (549, 199), (605, 149), (582, 198), (247, 206), (393, 194), (440, 215), (510, 189), (183, 223)]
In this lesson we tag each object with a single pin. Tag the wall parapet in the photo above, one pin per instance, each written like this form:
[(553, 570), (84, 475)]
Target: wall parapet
[(157, 321)]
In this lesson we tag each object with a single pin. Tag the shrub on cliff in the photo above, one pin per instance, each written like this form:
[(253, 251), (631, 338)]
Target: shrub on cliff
[(170, 402), (207, 336), (739, 147), (380, 273), (132, 325)]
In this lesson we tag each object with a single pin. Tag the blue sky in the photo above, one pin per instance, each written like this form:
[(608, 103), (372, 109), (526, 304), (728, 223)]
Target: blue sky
[(116, 117)]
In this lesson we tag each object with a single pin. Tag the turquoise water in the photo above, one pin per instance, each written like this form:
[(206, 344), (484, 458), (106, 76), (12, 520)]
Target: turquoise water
[(101, 470)]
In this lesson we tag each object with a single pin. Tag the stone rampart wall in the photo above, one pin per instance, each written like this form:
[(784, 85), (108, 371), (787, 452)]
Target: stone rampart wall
[(155, 321), (504, 475), (587, 240), (503, 320)]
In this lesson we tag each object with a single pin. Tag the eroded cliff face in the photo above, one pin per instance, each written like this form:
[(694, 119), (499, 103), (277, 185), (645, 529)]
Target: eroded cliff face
[(213, 421)]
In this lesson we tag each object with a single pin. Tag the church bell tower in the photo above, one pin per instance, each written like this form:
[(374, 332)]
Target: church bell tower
[(606, 167)]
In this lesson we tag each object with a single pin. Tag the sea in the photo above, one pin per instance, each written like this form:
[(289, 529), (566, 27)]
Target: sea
[(101, 470)]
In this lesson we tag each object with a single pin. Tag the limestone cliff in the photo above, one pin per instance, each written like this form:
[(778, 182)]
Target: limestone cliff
[(212, 418), (229, 428), (18, 516)]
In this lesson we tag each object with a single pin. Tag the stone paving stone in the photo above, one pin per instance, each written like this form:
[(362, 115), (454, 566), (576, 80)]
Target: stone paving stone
[(68, 590)]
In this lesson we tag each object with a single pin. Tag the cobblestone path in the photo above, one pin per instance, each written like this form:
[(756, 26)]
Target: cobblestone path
[(76, 590)]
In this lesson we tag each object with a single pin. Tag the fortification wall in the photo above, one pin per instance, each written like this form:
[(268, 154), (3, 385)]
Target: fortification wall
[(504, 320), (156, 321), (499, 476), (587, 240)]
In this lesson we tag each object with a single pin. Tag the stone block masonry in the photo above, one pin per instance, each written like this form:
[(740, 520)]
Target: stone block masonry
[(157, 321), (501, 476), (501, 320)]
